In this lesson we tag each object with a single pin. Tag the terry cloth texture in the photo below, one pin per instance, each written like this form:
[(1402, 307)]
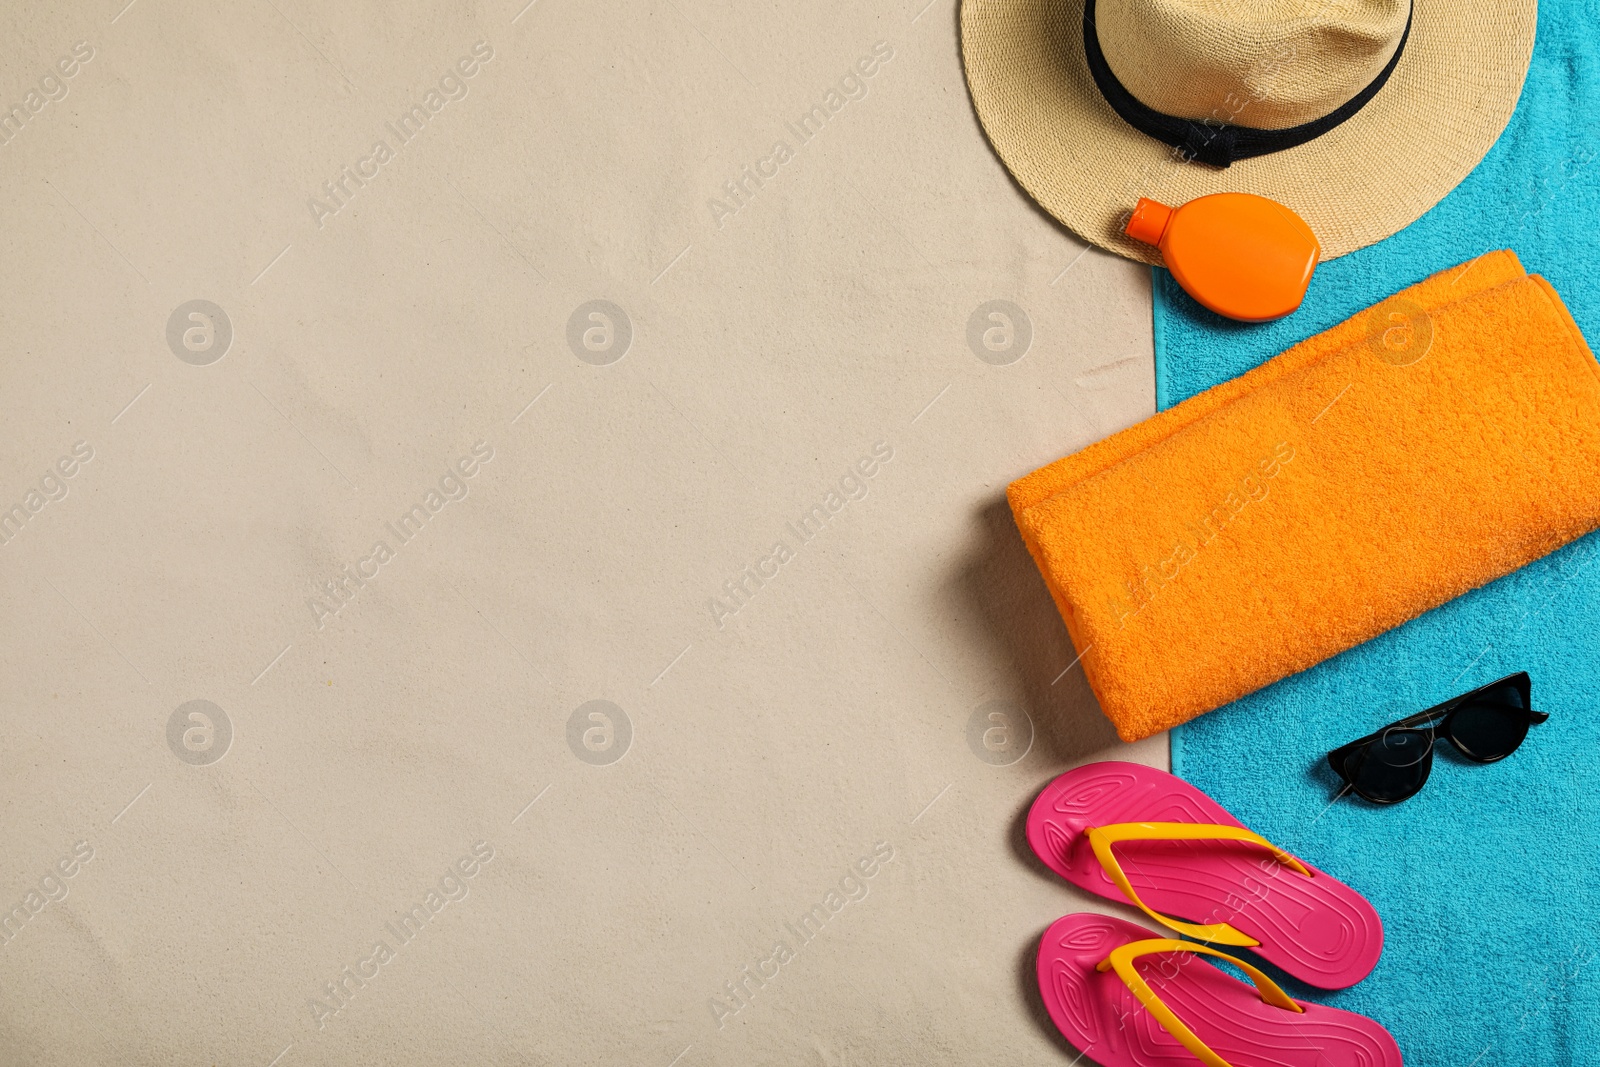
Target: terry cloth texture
[(1485, 880), (1425, 447)]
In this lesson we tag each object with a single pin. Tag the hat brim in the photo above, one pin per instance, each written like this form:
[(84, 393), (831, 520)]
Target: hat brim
[(1446, 103)]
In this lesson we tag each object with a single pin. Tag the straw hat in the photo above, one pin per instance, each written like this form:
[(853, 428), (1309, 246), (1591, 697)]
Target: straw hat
[(1358, 114)]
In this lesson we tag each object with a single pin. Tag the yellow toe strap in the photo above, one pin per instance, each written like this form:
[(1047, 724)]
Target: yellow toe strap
[(1122, 957), (1101, 838)]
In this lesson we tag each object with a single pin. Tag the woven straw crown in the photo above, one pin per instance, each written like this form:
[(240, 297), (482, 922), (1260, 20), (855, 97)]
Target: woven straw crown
[(1267, 65)]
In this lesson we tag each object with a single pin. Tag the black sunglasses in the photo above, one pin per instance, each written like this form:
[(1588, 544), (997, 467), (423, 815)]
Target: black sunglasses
[(1484, 725)]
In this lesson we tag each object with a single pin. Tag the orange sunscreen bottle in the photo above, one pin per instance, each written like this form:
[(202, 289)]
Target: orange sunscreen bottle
[(1240, 255)]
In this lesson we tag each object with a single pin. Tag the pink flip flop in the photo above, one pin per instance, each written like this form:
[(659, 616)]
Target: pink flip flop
[(1128, 997), (1133, 833)]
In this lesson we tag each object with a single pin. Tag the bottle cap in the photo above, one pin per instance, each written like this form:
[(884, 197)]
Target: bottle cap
[(1149, 221)]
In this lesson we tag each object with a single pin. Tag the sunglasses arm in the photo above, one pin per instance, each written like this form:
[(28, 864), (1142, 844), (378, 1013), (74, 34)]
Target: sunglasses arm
[(1419, 719), (1441, 711)]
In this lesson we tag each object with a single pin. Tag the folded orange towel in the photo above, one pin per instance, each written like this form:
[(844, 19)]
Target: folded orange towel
[(1422, 448)]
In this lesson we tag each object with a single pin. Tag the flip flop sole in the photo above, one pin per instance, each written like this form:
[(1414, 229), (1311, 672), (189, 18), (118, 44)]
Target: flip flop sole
[(1317, 929), (1102, 1018)]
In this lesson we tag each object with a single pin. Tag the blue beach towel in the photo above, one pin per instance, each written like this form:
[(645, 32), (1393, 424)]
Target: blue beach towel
[(1488, 881)]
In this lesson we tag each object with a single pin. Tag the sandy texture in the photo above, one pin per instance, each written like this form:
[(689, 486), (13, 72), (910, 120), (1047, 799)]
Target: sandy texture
[(343, 480)]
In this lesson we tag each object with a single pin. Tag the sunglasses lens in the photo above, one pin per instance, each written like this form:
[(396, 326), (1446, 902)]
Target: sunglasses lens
[(1394, 766), (1491, 727)]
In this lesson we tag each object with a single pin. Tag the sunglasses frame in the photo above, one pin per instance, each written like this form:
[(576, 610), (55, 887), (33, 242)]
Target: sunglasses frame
[(1437, 721)]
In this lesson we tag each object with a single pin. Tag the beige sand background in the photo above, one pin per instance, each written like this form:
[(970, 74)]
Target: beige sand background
[(195, 495)]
